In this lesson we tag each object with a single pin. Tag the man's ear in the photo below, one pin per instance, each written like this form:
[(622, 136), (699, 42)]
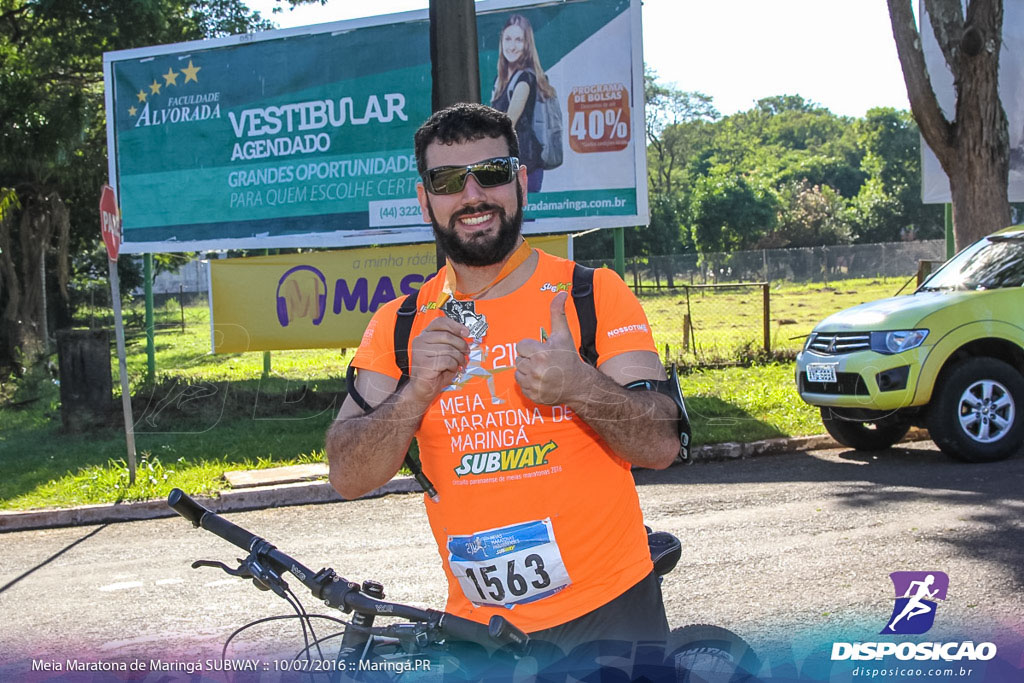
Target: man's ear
[(421, 195), (522, 182)]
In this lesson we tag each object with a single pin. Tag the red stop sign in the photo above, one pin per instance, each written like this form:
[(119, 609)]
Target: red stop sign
[(110, 222)]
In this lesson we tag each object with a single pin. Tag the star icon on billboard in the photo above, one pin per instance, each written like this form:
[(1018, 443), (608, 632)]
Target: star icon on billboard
[(132, 111), (171, 77), (141, 95), (154, 88), (190, 72)]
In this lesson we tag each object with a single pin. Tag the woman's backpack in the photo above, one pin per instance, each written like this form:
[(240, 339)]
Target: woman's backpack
[(547, 124)]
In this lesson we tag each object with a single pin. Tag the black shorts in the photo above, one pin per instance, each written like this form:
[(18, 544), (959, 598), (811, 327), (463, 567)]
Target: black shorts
[(636, 615), (628, 633)]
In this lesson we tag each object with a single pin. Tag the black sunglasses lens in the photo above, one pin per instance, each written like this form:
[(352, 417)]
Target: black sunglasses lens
[(446, 180), (492, 172)]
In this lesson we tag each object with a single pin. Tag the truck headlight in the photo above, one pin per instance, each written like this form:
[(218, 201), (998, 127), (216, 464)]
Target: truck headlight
[(897, 341)]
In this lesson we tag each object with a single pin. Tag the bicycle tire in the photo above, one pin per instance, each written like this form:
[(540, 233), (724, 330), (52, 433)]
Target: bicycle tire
[(706, 653)]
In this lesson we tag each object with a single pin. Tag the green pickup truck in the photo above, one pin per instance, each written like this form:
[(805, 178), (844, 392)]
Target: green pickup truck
[(949, 357)]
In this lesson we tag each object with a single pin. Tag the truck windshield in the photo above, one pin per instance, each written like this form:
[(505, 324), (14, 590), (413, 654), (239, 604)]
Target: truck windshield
[(991, 263)]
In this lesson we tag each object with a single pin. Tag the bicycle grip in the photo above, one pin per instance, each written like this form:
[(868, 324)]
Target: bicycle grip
[(504, 632), (461, 629), (180, 502)]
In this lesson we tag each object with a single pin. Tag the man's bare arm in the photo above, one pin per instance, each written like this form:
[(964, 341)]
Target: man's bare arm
[(364, 450), (640, 426)]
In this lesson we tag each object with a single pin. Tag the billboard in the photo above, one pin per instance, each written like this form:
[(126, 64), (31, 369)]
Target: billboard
[(934, 183), (303, 137), (318, 300)]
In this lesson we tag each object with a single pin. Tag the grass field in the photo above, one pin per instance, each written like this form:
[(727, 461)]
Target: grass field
[(728, 322), (208, 414)]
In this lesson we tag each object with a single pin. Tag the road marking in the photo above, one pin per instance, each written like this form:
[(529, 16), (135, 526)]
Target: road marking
[(121, 586)]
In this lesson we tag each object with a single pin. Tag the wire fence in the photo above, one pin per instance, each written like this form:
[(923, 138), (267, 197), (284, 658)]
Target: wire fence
[(807, 264), (705, 324), (720, 308)]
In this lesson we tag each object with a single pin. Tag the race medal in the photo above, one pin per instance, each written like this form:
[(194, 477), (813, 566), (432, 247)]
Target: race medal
[(464, 312)]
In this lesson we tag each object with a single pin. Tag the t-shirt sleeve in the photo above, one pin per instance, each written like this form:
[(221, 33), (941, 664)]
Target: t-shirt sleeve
[(621, 322), (377, 349)]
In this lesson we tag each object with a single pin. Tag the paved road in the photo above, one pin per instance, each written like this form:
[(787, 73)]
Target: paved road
[(776, 548)]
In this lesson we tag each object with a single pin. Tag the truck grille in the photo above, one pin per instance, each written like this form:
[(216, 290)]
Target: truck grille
[(828, 344)]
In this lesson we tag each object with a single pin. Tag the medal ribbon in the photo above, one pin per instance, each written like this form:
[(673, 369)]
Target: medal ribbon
[(517, 259)]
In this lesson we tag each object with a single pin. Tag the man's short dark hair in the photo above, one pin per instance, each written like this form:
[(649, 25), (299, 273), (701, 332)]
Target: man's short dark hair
[(464, 122)]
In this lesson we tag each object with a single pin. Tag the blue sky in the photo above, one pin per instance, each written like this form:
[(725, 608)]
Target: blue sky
[(838, 53)]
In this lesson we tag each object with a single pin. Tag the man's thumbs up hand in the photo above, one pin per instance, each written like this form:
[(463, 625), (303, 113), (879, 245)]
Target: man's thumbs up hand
[(550, 371), (559, 323)]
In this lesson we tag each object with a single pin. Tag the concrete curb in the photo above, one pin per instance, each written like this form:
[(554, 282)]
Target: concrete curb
[(306, 493)]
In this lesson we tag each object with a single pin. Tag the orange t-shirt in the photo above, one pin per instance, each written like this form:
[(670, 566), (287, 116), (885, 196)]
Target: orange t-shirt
[(538, 519)]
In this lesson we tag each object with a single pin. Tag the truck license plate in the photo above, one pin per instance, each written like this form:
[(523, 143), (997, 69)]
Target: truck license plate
[(821, 372)]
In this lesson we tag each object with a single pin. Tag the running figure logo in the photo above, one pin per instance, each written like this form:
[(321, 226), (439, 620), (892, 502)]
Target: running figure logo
[(916, 592)]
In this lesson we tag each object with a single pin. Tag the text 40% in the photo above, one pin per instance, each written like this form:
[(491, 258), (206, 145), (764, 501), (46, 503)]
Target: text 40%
[(596, 123)]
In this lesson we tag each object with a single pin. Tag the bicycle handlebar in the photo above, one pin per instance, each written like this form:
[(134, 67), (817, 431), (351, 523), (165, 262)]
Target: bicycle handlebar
[(180, 502), (336, 591)]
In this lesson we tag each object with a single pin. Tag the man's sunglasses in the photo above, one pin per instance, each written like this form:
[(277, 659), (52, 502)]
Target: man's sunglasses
[(488, 173)]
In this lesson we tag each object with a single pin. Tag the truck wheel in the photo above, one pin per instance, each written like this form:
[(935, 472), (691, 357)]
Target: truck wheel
[(863, 436), (976, 414)]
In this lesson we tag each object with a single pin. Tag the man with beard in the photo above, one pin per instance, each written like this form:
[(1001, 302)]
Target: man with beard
[(536, 517)]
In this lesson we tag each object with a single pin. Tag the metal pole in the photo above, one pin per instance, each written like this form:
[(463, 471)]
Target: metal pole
[(454, 60), (620, 251), (44, 322), (950, 238), (147, 268), (767, 312), (126, 396)]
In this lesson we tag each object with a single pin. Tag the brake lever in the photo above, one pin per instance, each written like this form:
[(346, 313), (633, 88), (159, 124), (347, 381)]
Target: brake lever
[(242, 571), (263, 577)]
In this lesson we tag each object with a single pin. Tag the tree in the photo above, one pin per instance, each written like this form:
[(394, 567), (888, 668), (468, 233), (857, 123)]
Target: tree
[(810, 216), (728, 213), (678, 126), (888, 205), (973, 147), (52, 134), (675, 121)]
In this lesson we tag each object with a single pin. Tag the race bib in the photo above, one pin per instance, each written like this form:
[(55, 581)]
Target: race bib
[(508, 566)]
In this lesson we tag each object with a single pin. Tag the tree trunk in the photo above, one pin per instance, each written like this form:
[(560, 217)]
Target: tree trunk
[(974, 148), (22, 274)]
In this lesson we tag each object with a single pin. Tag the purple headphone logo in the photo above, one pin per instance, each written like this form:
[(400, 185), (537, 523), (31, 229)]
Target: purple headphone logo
[(321, 295)]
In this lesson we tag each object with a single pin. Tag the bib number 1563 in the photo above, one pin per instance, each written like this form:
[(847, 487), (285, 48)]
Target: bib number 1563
[(508, 566)]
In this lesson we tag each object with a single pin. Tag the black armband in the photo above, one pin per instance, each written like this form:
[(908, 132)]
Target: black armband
[(669, 387), (350, 387)]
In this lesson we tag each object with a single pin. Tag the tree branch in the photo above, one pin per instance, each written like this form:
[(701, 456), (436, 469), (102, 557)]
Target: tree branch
[(947, 20), (938, 132)]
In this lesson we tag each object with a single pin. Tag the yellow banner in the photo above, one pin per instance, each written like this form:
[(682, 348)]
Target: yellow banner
[(320, 299)]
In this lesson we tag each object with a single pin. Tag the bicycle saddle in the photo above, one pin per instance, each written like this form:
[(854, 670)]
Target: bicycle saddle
[(665, 551)]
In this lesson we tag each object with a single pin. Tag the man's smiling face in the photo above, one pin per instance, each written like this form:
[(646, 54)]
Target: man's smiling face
[(477, 226)]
